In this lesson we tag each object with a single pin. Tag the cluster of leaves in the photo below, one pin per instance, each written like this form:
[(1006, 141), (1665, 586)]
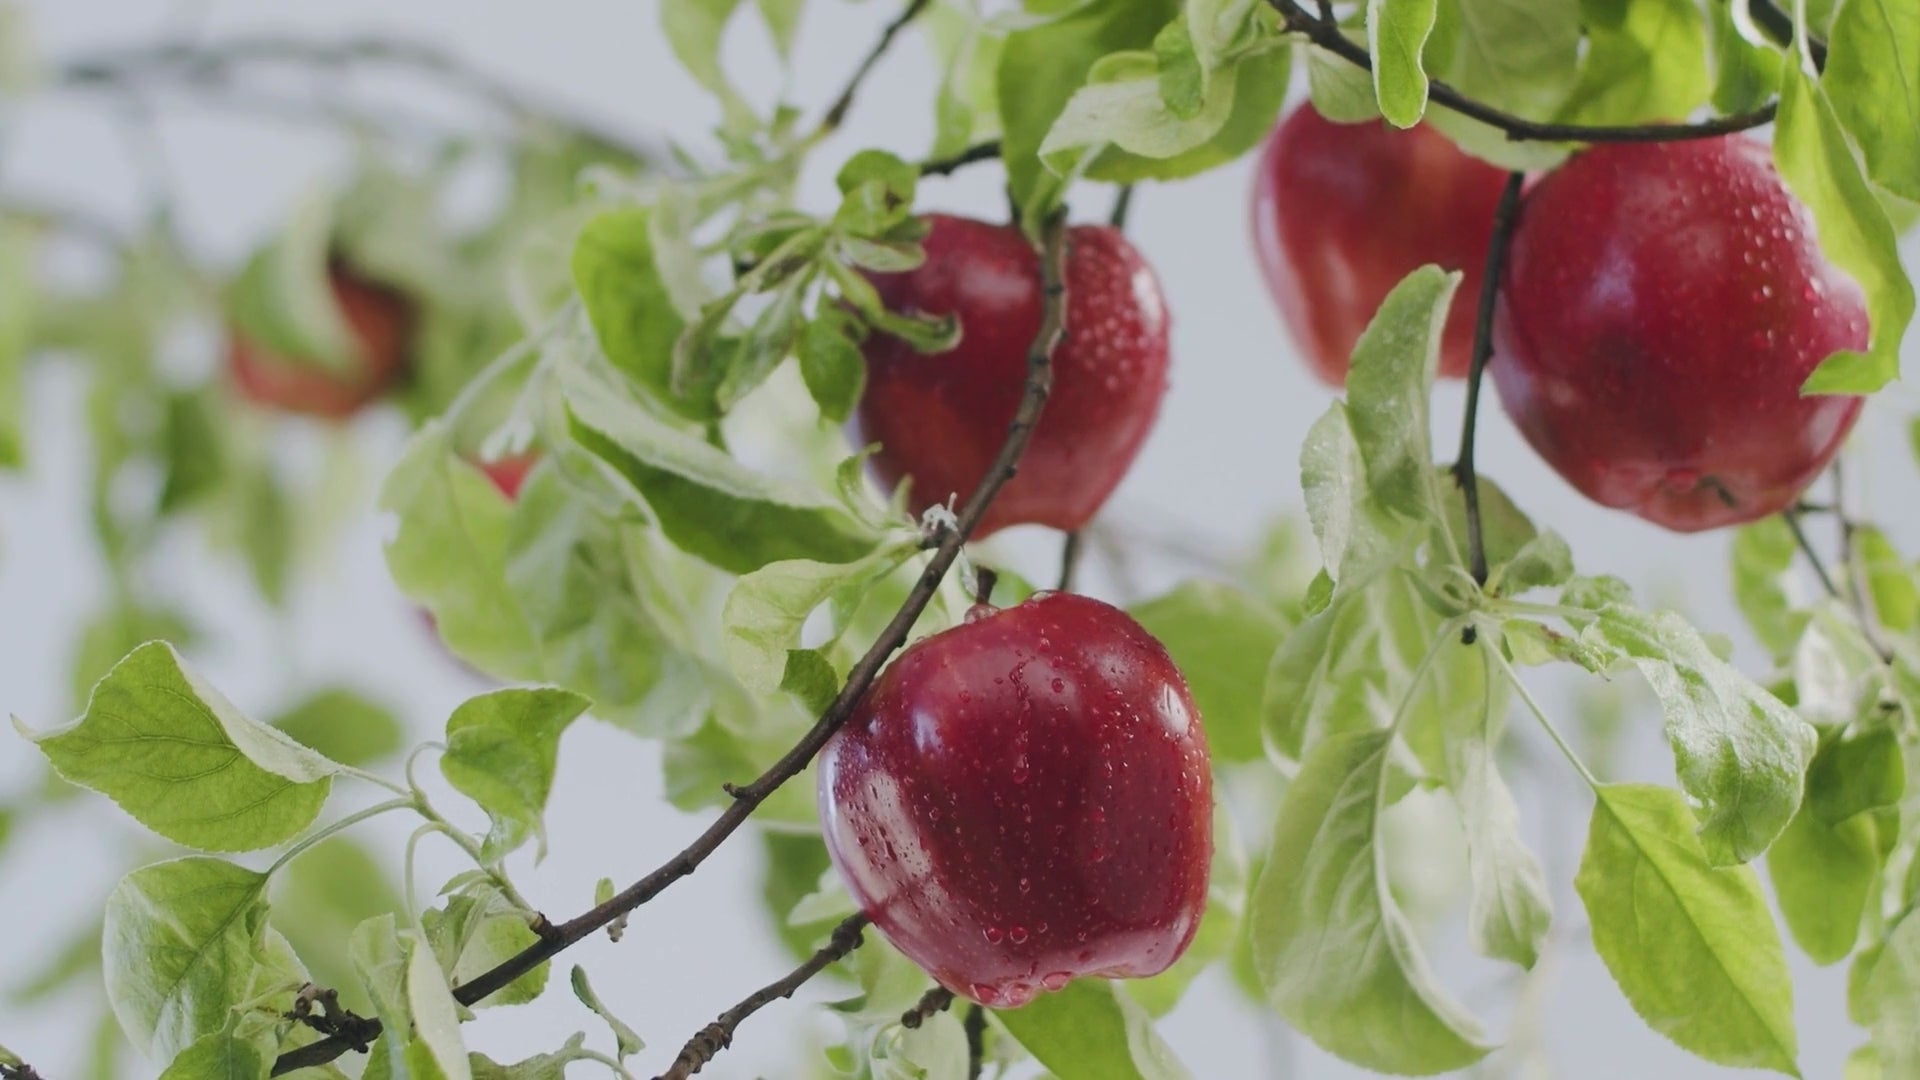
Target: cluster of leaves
[(698, 560)]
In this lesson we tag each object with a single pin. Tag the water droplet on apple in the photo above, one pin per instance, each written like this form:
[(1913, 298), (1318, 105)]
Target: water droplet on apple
[(1017, 935), (1057, 980), (994, 935)]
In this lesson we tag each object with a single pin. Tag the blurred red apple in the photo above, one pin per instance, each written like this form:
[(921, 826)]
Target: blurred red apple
[(380, 320)]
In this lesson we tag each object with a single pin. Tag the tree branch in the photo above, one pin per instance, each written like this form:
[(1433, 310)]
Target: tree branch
[(838, 110), (1463, 469), (986, 151), (933, 1001), (718, 1035), (22, 1071), (746, 799), (975, 1025), (1327, 34), (1792, 517)]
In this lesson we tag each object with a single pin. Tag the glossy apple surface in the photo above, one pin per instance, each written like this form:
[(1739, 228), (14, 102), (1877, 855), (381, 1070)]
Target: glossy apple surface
[(1342, 212), (941, 419), (381, 322), (1025, 799), (1661, 306)]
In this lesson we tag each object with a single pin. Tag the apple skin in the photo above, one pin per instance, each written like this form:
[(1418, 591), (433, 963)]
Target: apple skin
[(1342, 212), (509, 473), (381, 320), (1661, 306), (942, 419), (1025, 799)]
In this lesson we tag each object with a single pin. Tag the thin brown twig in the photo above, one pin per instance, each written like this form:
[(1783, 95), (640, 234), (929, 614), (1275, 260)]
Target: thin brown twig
[(1858, 588), (717, 1036), (22, 1071), (1463, 468), (1791, 516), (975, 1026), (1069, 561), (747, 798), (933, 1001), (947, 166), (1329, 36), (837, 112)]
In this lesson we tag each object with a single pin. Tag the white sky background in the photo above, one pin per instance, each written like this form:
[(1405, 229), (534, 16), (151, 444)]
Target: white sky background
[(1221, 462)]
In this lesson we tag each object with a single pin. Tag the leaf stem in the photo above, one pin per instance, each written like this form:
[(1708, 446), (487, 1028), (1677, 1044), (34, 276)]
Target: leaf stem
[(1791, 516), (1033, 400), (1463, 468), (308, 841), (1327, 34), (986, 151), (1566, 749), (717, 1036)]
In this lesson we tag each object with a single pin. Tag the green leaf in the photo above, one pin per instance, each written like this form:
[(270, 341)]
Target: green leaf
[(502, 749), (410, 994), (109, 636), (1396, 33), (181, 942), (193, 450), (695, 28), (1873, 78), (449, 554), (1886, 996), (1516, 55), (1691, 945), (344, 726), (260, 521), (321, 896), (630, 304), (1812, 152), (1222, 639), (625, 1039), (540, 1066), (1509, 908), (1341, 91), (1853, 774), (1646, 62), (1388, 387), (767, 343), (478, 930), (1740, 754), (1088, 1031), (707, 503), (1891, 582), (225, 1055), (876, 192), (1745, 75), (283, 298), (765, 612), (1763, 552), (831, 364), (178, 757), (1124, 104), (1824, 876), (18, 253), (1335, 953)]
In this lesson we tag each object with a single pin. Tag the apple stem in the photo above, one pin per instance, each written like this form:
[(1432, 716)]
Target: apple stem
[(1069, 561), (933, 1001), (1327, 34), (837, 112), (975, 1025), (984, 579), (717, 1036), (1122, 205), (747, 798), (1463, 470)]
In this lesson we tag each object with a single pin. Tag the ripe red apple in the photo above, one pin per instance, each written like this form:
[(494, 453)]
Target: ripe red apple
[(1661, 305), (1025, 799), (1342, 212), (380, 319), (941, 419)]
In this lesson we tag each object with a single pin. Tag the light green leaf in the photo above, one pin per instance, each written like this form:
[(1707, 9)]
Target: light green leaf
[(1886, 996), (765, 612), (831, 364), (225, 1055), (344, 726), (625, 1039), (1335, 953), (1873, 78), (449, 554), (18, 302), (1740, 753), (1892, 583), (181, 759), (501, 752), (410, 995), (477, 930), (1358, 537), (1222, 639), (181, 943), (1388, 387), (436, 1045), (1122, 105), (1745, 74), (707, 503), (1763, 552), (283, 297), (1856, 773), (1691, 945), (1509, 908), (876, 193), (1516, 55), (1646, 61), (1088, 1031), (1341, 91), (1817, 163), (1824, 876), (1396, 33), (695, 28), (321, 896), (631, 306)]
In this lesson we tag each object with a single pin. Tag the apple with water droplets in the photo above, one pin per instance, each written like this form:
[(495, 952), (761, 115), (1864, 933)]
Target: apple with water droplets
[(1025, 799), (1342, 212), (1661, 306), (940, 420), (380, 320)]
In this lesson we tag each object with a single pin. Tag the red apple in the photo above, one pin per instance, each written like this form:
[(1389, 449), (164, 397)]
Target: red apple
[(508, 473), (1025, 799), (1661, 306), (1342, 212), (381, 321), (941, 419)]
